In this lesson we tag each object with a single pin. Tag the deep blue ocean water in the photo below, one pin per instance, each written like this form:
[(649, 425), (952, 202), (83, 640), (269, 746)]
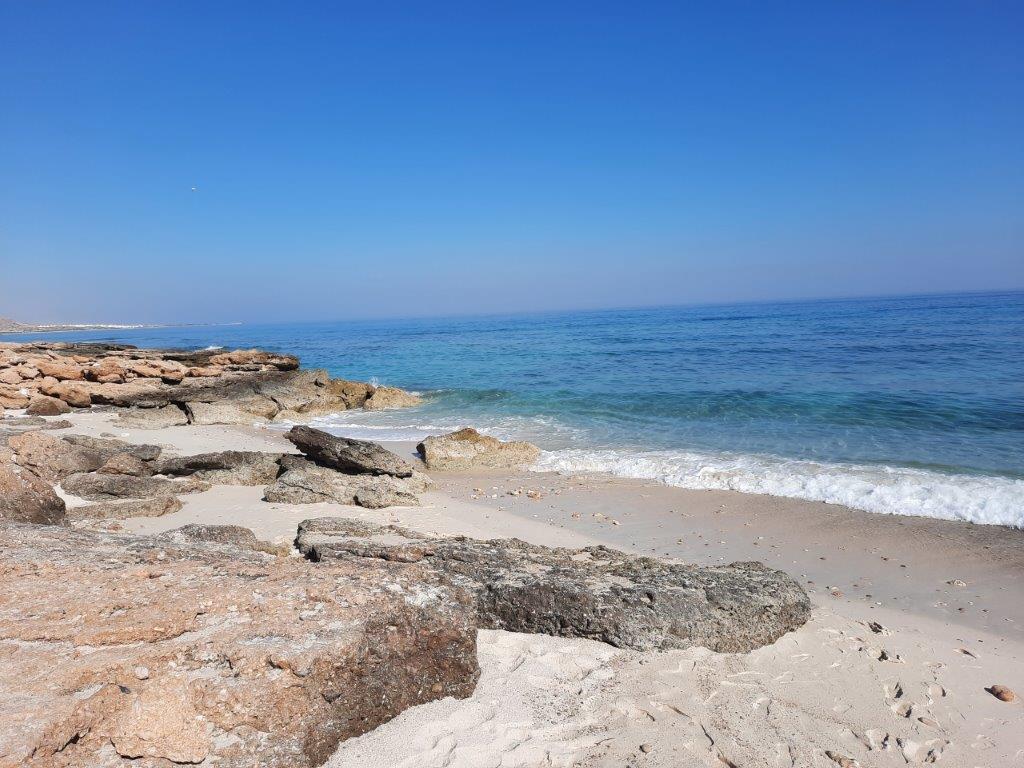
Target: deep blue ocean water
[(909, 405)]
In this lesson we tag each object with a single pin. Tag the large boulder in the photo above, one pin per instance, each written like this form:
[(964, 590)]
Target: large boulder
[(468, 449), (185, 652), (303, 482), (235, 535), (27, 498), (224, 467), (596, 593), (242, 411), (348, 455)]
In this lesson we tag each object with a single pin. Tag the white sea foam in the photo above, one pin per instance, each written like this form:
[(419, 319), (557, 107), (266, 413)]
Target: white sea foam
[(212, 348), (887, 490)]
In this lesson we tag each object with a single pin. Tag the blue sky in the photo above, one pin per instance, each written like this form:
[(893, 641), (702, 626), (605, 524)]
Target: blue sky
[(396, 159)]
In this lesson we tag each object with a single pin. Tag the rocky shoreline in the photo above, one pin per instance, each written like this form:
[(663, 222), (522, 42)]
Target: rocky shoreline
[(203, 645)]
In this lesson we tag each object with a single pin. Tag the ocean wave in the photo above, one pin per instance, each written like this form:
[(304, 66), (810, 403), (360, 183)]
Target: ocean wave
[(988, 500)]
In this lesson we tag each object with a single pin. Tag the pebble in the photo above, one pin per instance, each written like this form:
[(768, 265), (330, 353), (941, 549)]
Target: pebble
[(645, 748), (142, 673), (1002, 693)]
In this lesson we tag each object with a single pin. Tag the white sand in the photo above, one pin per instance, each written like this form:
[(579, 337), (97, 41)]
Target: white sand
[(827, 687)]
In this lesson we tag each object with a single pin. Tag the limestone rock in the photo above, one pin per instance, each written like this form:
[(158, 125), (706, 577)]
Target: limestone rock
[(53, 458), (25, 497), (13, 398), (248, 411), (122, 510), (468, 449), (232, 535), (196, 651), (153, 418), (304, 482), (597, 593), (391, 397), (73, 393), (102, 487), (348, 455), (126, 464), (225, 467), (108, 446), (42, 405), (62, 370)]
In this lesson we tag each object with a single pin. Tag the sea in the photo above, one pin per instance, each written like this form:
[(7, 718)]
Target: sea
[(908, 405)]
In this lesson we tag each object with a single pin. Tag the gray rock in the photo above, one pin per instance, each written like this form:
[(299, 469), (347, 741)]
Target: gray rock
[(596, 593), (304, 482), (122, 510), (224, 467), (348, 455), (468, 449), (108, 447), (126, 464), (102, 487)]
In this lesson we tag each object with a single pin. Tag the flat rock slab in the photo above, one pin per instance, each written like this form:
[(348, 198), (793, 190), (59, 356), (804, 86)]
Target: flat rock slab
[(156, 652), (596, 593), (348, 455)]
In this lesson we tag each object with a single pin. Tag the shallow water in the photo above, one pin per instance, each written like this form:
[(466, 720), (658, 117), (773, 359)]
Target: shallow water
[(911, 405)]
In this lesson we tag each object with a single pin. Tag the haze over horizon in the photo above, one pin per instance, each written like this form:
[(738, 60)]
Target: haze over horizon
[(254, 162)]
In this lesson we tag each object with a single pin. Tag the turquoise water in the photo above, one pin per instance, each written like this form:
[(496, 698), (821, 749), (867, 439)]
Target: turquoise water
[(910, 405)]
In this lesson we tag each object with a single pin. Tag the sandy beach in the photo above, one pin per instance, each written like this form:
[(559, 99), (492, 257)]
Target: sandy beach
[(912, 620)]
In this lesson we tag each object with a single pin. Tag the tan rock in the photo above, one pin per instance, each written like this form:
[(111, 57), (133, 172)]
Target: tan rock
[(12, 398), (207, 371), (468, 449), (41, 405), (10, 376), (28, 371), (391, 397), (122, 510), (74, 394), (62, 370), (201, 651), (24, 497)]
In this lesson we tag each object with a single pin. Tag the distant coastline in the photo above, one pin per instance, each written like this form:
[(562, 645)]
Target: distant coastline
[(13, 326)]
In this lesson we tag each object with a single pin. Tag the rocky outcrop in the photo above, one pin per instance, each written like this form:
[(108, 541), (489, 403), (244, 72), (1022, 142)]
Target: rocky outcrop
[(348, 455), (303, 482), (468, 449), (597, 593), (207, 653), (224, 467), (168, 388), (25, 497)]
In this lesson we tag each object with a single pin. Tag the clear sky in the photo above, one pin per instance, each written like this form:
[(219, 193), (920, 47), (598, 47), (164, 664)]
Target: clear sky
[(217, 161)]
